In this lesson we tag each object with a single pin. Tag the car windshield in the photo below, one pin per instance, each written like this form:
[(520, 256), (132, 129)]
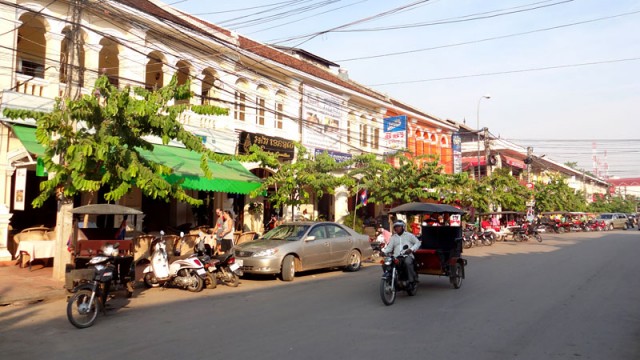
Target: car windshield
[(606, 216), (287, 232)]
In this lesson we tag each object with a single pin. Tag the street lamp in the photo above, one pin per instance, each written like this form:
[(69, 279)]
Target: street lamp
[(486, 96)]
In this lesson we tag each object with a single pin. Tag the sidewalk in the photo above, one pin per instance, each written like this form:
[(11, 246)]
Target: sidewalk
[(20, 286)]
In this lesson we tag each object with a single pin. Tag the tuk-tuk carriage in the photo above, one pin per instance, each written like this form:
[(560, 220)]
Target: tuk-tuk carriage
[(509, 223), (89, 240), (441, 248)]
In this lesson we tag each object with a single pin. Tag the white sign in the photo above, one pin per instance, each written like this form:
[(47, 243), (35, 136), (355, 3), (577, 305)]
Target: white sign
[(395, 133), (322, 119), (19, 193), (454, 220)]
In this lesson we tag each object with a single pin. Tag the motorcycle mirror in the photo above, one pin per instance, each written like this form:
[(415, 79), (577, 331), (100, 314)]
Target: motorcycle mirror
[(161, 232), (181, 233)]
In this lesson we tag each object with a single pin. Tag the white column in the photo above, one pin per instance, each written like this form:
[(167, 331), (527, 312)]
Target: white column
[(52, 64), (6, 171), (341, 204), (91, 63)]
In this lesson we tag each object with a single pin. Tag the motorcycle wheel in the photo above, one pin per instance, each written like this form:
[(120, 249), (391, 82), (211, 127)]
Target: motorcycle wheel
[(466, 244), (80, 312), (456, 276), (387, 291), (229, 278), (517, 237), (148, 282), (196, 286), (211, 282), (538, 237)]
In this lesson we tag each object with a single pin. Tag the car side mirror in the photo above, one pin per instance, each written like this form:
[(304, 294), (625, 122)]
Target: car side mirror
[(310, 238)]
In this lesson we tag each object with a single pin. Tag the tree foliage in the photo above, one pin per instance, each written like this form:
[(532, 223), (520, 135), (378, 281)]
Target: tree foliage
[(614, 203), (95, 141), (557, 195)]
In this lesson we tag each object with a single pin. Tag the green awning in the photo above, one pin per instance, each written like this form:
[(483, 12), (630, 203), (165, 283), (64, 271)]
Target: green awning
[(229, 177), (27, 135)]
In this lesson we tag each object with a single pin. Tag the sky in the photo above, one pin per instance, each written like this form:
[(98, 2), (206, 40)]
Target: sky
[(572, 78)]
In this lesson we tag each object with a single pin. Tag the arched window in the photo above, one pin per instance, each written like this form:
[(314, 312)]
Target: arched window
[(281, 98), (108, 61), (32, 46), (364, 131), (182, 77), (154, 77), (208, 91), (351, 120), (261, 108), (240, 103), (376, 138)]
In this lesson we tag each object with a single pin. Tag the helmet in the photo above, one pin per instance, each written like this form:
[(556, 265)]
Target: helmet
[(399, 223)]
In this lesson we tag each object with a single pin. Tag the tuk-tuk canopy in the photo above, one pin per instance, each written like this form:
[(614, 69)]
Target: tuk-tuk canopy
[(105, 209), (504, 213), (426, 208)]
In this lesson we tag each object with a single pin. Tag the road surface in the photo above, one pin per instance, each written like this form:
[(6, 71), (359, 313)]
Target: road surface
[(573, 296)]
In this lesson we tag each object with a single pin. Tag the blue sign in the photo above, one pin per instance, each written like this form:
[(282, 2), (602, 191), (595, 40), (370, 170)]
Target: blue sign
[(337, 156), (395, 124)]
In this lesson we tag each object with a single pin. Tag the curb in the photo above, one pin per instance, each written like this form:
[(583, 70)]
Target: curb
[(41, 296)]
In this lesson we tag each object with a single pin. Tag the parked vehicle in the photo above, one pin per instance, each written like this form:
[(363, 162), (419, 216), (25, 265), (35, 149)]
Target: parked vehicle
[(91, 296), (533, 232), (188, 273), (395, 277), (304, 245), (614, 220), (223, 268)]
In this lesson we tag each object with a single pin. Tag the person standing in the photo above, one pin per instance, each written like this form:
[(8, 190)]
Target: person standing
[(218, 230), (227, 233)]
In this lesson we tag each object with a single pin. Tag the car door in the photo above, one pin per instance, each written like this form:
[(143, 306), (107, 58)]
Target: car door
[(317, 251), (341, 243)]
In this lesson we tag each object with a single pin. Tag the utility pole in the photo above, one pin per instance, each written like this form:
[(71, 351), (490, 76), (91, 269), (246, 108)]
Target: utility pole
[(528, 162), (487, 151), (75, 68)]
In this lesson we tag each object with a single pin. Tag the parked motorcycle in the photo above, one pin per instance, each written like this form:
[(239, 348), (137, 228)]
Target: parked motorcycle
[(218, 267), (91, 296), (394, 278), (532, 231), (186, 273)]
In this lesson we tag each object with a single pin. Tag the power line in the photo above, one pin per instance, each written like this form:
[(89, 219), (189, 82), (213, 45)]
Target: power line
[(488, 39), (510, 71)]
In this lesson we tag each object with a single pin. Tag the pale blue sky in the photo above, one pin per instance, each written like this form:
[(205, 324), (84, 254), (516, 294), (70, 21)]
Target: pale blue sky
[(597, 102)]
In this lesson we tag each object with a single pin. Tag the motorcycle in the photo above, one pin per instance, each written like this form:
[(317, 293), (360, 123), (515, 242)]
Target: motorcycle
[(394, 278), (218, 267), (91, 296), (532, 231), (186, 273)]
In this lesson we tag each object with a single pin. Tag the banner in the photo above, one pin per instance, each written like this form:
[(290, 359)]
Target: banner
[(395, 133), (322, 119), (20, 187)]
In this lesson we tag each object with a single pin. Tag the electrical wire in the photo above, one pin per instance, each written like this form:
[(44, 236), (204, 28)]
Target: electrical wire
[(489, 38)]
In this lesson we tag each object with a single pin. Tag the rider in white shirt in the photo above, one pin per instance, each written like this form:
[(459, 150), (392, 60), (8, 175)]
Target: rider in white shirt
[(397, 243)]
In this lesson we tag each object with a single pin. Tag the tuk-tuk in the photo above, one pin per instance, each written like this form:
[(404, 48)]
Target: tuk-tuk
[(90, 239), (441, 248)]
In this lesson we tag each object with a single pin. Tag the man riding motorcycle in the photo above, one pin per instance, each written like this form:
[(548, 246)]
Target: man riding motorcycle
[(398, 240)]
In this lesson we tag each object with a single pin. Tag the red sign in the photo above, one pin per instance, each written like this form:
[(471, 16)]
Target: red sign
[(529, 186)]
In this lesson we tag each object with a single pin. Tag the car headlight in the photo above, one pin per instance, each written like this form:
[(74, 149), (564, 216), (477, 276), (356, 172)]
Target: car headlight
[(267, 252)]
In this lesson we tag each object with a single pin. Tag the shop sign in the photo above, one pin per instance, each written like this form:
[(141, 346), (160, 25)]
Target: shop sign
[(19, 192), (456, 147), (337, 156), (322, 119), (395, 133), (283, 148)]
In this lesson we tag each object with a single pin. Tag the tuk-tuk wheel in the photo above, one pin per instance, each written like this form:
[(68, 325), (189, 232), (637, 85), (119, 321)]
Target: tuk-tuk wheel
[(456, 276)]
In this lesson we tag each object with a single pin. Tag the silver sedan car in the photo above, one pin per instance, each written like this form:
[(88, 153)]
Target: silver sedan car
[(301, 246)]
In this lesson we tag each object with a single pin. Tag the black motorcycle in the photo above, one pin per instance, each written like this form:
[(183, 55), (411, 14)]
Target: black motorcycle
[(395, 277), (91, 296), (219, 267)]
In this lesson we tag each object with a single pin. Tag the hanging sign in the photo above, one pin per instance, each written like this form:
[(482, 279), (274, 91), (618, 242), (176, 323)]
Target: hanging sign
[(20, 187)]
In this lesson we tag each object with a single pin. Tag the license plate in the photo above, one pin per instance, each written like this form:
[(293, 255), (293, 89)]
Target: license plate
[(234, 267), (201, 271), (240, 262)]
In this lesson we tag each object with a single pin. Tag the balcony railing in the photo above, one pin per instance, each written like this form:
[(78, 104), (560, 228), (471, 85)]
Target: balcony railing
[(30, 85)]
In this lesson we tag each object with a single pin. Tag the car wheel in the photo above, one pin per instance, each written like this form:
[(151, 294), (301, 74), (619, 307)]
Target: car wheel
[(288, 271), (354, 261)]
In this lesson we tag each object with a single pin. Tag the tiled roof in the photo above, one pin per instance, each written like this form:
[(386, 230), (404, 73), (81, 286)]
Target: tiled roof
[(252, 46), (625, 181)]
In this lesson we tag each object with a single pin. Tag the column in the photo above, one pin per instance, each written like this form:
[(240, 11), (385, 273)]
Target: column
[(341, 204), (52, 65), (6, 171), (91, 64)]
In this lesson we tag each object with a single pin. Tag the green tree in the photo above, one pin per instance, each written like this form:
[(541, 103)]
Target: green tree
[(557, 195), (505, 191), (95, 141)]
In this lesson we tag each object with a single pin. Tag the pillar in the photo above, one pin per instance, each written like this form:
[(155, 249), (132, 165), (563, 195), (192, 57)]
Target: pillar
[(52, 64), (341, 204)]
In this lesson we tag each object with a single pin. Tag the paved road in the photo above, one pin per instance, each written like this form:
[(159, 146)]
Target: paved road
[(574, 296)]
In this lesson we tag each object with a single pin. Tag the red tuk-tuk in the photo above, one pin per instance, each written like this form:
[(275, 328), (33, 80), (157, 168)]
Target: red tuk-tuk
[(441, 248)]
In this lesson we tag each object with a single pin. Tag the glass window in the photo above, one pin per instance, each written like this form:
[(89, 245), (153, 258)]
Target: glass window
[(319, 232)]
